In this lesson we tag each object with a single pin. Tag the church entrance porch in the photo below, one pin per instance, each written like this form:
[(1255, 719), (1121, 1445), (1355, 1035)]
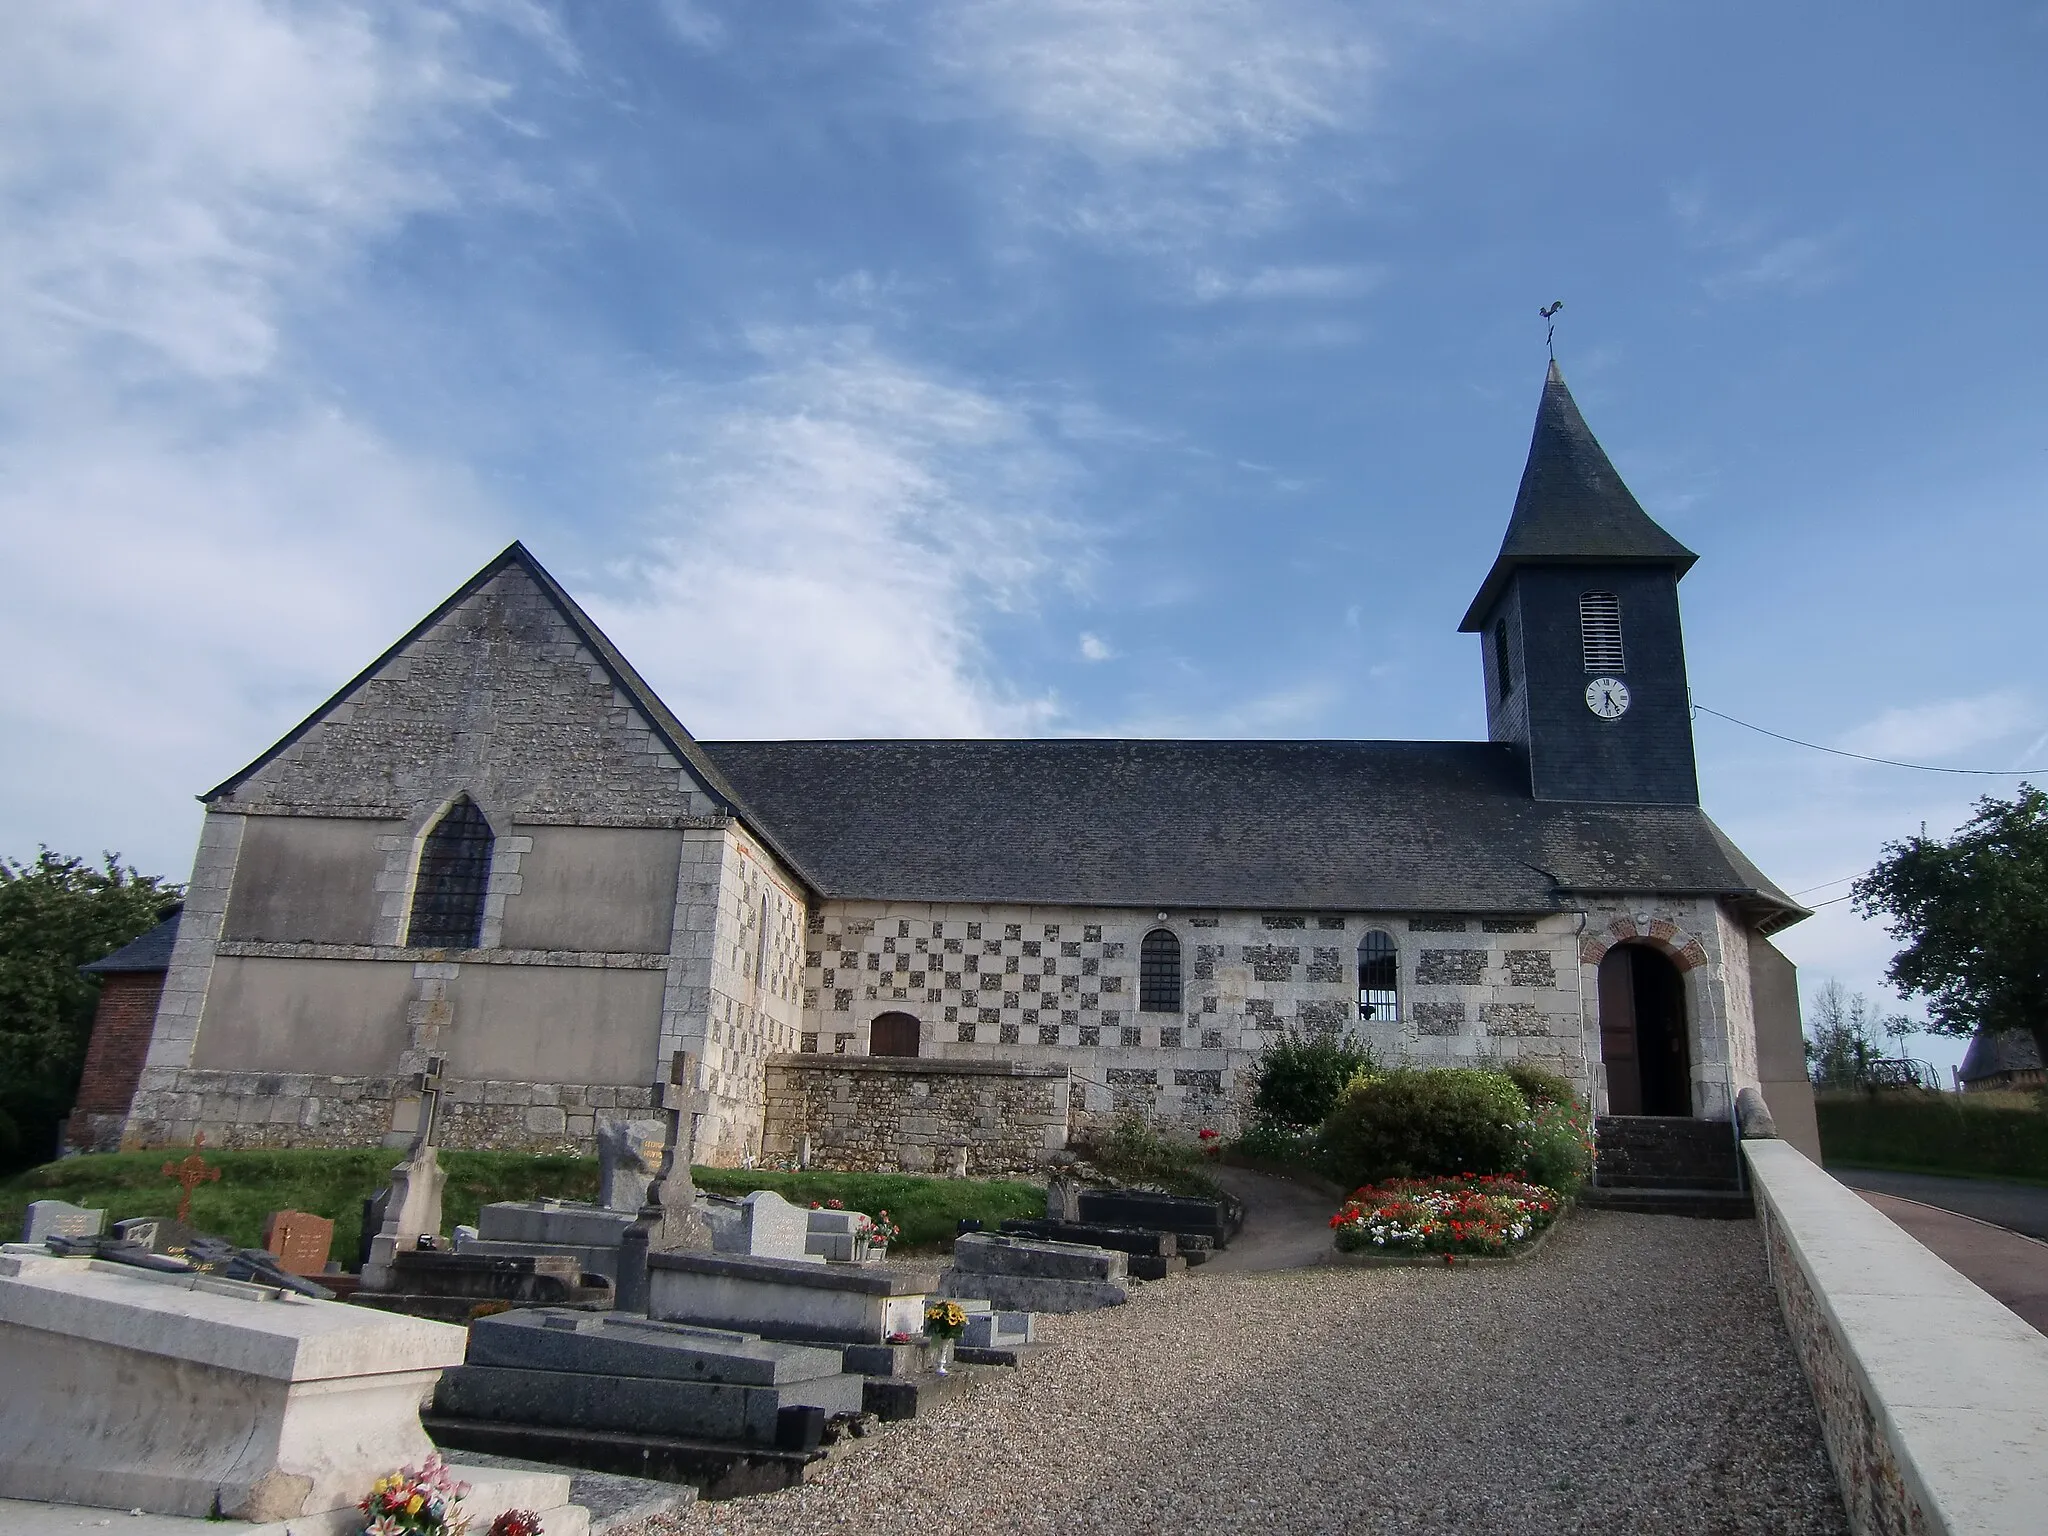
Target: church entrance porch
[(1643, 1033)]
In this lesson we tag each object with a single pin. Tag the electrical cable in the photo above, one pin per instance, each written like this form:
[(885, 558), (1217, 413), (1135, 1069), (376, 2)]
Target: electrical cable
[(1861, 757)]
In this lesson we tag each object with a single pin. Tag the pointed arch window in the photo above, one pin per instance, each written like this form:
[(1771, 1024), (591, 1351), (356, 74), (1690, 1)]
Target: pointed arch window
[(1600, 632), (1379, 978), (455, 872), (1159, 973), (1503, 676)]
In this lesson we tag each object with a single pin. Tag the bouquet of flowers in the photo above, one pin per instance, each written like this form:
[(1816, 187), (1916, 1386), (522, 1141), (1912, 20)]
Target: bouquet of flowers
[(517, 1522), (882, 1231), (416, 1499), (945, 1320)]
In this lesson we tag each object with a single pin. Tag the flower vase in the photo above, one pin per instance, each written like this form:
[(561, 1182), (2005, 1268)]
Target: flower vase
[(945, 1357)]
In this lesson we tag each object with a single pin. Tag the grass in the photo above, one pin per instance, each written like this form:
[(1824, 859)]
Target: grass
[(2002, 1136), (334, 1184)]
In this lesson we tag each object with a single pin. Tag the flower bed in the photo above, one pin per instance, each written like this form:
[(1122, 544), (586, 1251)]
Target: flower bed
[(1467, 1214)]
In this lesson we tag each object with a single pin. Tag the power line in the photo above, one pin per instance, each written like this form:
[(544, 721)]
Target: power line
[(1861, 757), (1808, 890)]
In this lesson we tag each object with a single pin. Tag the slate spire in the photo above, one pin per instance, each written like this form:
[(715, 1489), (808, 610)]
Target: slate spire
[(1572, 508)]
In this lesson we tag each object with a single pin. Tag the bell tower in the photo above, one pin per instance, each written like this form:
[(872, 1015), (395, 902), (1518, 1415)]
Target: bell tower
[(1578, 624)]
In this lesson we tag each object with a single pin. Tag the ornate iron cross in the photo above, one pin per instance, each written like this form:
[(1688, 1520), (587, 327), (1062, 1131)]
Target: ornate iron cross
[(190, 1174)]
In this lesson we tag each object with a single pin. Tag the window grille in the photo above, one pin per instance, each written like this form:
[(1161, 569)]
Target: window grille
[(1503, 678), (1600, 631), (1159, 973), (455, 870), (1379, 978)]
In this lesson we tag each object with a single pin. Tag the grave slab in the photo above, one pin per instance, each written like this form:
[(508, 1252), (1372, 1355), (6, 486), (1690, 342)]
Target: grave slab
[(174, 1393), (761, 1226), (788, 1299), (1135, 1241), (984, 1253), (1218, 1220), (624, 1345), (58, 1218), (300, 1240)]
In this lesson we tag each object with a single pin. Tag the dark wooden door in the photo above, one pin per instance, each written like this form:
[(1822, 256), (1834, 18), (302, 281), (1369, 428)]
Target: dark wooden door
[(1660, 1033), (893, 1034), (1618, 1051)]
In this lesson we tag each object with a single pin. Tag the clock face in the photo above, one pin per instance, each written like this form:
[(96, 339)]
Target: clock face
[(1607, 697)]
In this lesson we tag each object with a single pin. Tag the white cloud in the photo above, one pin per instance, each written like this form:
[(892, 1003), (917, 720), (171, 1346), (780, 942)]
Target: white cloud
[(1946, 728), (1095, 648), (1331, 281), (839, 529), (1751, 253), (199, 543), (1158, 119)]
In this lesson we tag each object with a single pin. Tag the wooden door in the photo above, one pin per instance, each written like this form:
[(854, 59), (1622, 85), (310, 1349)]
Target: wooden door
[(893, 1034), (1618, 1046)]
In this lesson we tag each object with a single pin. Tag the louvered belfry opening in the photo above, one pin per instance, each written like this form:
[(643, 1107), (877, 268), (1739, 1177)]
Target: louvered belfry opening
[(455, 872), (1379, 978), (1159, 973), (1600, 631)]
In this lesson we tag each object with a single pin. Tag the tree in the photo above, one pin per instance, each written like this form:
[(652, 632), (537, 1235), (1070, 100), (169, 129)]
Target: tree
[(1973, 914), (1844, 1030), (57, 914)]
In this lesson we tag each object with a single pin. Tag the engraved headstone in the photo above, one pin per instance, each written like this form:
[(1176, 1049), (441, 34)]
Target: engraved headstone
[(1062, 1199), (669, 1221), (58, 1218), (413, 1207), (628, 1158), (300, 1240)]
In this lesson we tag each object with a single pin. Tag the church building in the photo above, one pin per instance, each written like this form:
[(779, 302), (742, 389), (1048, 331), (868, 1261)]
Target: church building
[(497, 849)]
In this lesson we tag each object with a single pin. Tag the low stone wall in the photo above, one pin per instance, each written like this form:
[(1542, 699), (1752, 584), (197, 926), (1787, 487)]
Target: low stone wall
[(887, 1114), (289, 1109), (1933, 1397)]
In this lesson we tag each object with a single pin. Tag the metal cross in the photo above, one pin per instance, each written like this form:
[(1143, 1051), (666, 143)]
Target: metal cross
[(1549, 313), (190, 1174), (429, 1085)]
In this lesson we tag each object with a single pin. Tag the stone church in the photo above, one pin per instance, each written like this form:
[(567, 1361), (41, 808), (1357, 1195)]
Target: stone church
[(496, 846)]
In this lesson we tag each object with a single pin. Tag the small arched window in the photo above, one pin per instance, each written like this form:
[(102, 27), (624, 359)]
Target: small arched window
[(455, 872), (1600, 632), (1159, 973), (1379, 978), (1503, 676)]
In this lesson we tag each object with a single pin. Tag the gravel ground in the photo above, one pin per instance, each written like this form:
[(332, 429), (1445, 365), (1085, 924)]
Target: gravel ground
[(1632, 1377)]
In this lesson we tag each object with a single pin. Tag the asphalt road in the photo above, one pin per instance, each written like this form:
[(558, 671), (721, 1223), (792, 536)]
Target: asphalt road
[(2021, 1207)]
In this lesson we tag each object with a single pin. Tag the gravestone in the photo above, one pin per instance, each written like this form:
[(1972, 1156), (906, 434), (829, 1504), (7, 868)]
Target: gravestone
[(1062, 1198), (530, 1228), (1023, 1275), (629, 1156), (788, 1299), (58, 1218), (843, 1237), (300, 1240), (669, 1222), (413, 1207), (761, 1226), (1219, 1219)]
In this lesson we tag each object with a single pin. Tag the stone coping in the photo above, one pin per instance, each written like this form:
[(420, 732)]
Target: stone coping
[(229, 1324), (867, 1279), (915, 1066), (1933, 1396)]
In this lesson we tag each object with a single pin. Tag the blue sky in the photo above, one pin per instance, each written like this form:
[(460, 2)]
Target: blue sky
[(1020, 366)]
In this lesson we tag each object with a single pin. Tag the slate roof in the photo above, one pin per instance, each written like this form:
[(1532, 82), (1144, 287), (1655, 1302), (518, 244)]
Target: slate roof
[(1572, 507), (1275, 825), (151, 952), (1993, 1055)]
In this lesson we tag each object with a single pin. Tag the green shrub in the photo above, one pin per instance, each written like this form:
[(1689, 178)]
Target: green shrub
[(1540, 1086), (1557, 1144), (1271, 1141), (1411, 1124), (1296, 1082), (1990, 1136)]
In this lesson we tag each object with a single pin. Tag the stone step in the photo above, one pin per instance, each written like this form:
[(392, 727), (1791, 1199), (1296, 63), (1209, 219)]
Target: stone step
[(1718, 1204), (1605, 1179)]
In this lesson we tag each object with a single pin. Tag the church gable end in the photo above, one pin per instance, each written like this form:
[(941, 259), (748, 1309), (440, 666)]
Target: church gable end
[(498, 696)]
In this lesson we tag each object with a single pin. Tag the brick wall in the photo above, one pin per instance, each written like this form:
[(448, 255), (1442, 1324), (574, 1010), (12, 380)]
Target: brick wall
[(889, 1115), (113, 1060)]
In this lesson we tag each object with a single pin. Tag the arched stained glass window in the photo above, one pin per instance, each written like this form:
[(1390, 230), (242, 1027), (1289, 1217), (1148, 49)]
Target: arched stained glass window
[(455, 872), (1159, 973), (1379, 978)]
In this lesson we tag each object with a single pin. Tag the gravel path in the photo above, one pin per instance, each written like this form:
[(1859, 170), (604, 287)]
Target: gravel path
[(1632, 1377)]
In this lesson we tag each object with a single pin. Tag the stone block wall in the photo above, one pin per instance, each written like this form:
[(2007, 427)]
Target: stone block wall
[(894, 1115)]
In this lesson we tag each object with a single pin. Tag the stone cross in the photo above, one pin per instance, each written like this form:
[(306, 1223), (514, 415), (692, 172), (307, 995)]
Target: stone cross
[(429, 1085), (190, 1174), (668, 1222)]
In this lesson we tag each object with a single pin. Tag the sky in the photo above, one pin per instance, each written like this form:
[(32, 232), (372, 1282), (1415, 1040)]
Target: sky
[(984, 367)]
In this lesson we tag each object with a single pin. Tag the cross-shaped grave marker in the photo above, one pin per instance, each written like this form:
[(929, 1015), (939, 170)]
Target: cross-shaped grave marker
[(429, 1085), (190, 1174)]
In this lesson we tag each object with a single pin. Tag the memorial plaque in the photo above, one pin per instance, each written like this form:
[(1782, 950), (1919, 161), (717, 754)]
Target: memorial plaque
[(300, 1240), (58, 1218)]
